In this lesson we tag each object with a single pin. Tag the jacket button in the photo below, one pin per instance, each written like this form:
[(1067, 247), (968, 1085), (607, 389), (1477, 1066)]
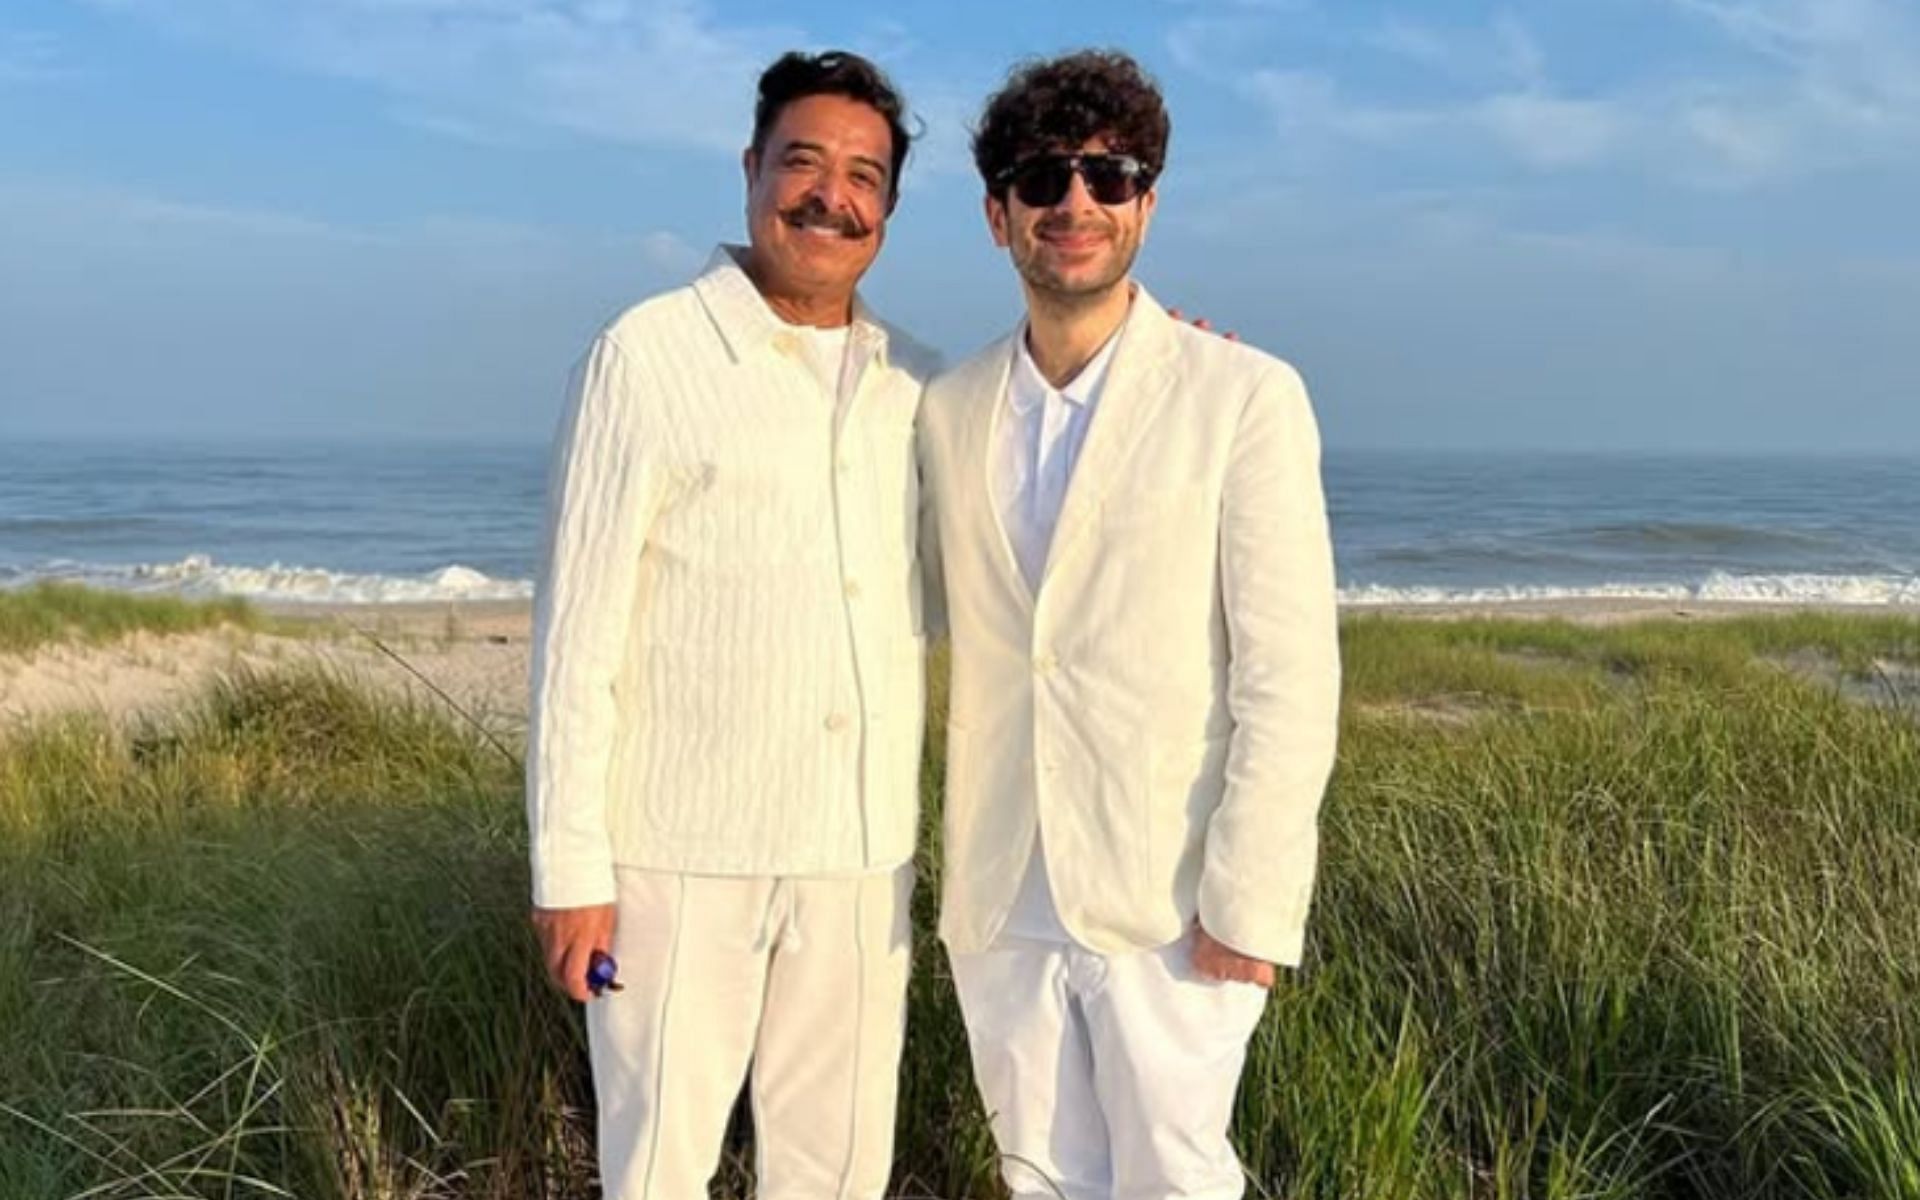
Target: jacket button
[(836, 722), (1044, 663)]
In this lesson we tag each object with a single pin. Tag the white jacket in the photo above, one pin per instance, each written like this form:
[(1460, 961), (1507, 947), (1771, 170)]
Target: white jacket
[(1165, 706), (728, 648)]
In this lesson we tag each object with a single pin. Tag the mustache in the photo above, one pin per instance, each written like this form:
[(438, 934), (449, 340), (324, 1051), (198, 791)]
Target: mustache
[(1069, 223), (813, 213)]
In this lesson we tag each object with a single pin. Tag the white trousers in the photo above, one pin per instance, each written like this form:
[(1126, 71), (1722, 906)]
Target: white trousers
[(1107, 1078), (805, 978)]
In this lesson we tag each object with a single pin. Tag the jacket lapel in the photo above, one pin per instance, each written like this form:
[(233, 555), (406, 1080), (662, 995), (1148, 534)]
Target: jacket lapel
[(1139, 382), (983, 408)]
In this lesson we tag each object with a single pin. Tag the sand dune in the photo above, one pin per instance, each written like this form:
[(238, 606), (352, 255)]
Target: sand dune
[(478, 659), (478, 653)]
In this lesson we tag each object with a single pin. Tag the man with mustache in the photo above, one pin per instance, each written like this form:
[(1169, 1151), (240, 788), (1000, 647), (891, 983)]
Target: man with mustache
[(1126, 517), (723, 759)]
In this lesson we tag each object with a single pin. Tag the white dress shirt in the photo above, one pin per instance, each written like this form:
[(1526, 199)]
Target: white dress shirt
[(1041, 431)]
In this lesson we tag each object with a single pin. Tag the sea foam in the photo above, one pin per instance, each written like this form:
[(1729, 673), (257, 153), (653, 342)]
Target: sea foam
[(198, 575), (1720, 587)]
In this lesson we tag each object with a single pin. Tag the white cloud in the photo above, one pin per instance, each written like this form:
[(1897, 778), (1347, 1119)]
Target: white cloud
[(1500, 98), (1798, 86), (1519, 52), (944, 147), (1552, 132), (1505, 51), (120, 219), (1537, 130), (114, 215), (28, 56), (502, 72), (1839, 85), (669, 253), (1414, 42), (457, 129), (1309, 105), (1868, 46), (657, 72), (1246, 6), (1745, 144)]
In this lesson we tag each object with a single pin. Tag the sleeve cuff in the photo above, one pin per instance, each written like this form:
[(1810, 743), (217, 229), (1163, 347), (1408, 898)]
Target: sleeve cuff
[(574, 886), (1263, 935)]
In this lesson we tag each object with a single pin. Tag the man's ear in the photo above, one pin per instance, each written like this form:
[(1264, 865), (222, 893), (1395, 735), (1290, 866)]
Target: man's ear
[(997, 219), (750, 164)]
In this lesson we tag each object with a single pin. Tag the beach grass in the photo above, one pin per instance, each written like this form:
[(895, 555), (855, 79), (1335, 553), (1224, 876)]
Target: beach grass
[(49, 612), (1625, 912)]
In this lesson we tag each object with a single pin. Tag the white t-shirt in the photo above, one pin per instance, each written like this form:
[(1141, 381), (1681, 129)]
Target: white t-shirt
[(826, 353)]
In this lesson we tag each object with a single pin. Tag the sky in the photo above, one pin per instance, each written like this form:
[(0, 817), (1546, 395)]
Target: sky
[(1613, 225)]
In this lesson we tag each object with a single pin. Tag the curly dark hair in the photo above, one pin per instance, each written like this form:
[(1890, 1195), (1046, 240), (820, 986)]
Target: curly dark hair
[(1059, 103), (795, 76)]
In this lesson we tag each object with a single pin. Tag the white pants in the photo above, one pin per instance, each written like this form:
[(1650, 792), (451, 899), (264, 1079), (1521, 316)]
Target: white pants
[(804, 977), (1107, 1078)]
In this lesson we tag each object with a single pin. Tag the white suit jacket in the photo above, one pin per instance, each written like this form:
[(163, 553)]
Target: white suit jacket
[(1164, 705)]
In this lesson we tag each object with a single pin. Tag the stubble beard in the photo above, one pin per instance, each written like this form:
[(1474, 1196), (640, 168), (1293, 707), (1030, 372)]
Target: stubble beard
[(1055, 291)]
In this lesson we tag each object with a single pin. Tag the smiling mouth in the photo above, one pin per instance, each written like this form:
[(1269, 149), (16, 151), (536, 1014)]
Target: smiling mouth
[(820, 226), (1078, 239)]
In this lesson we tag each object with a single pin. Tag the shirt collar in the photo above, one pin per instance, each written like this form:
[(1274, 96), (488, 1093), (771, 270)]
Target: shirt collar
[(1030, 386), (748, 324)]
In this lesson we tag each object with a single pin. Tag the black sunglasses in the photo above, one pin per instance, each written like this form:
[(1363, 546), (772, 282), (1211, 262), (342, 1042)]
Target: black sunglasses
[(1043, 180)]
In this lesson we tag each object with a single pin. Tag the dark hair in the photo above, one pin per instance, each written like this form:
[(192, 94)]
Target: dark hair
[(1060, 103), (795, 76)]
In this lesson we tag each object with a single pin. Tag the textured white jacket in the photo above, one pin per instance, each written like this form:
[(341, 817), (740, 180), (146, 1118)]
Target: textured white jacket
[(728, 647), (1165, 706)]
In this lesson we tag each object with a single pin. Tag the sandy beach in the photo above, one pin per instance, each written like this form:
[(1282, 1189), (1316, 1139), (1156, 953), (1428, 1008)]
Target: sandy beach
[(1597, 611), (476, 654)]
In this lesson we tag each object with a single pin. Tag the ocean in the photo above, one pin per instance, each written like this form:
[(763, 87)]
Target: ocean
[(418, 521)]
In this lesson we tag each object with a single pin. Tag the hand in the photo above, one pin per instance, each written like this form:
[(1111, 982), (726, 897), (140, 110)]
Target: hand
[(1213, 959), (568, 938), (1203, 324)]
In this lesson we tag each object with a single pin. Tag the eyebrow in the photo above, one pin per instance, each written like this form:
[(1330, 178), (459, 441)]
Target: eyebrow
[(802, 144)]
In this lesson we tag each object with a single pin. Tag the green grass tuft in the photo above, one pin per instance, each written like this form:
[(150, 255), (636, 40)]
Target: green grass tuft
[(48, 612), (1623, 913)]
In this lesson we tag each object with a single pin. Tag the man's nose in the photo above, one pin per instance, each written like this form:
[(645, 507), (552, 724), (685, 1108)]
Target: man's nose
[(831, 189), (1078, 198)]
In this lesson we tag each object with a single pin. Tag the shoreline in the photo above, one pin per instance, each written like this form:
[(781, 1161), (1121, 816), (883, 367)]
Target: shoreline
[(512, 619), (1606, 610)]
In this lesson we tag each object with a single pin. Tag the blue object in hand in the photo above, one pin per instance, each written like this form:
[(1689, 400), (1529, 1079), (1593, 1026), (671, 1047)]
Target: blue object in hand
[(601, 970)]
